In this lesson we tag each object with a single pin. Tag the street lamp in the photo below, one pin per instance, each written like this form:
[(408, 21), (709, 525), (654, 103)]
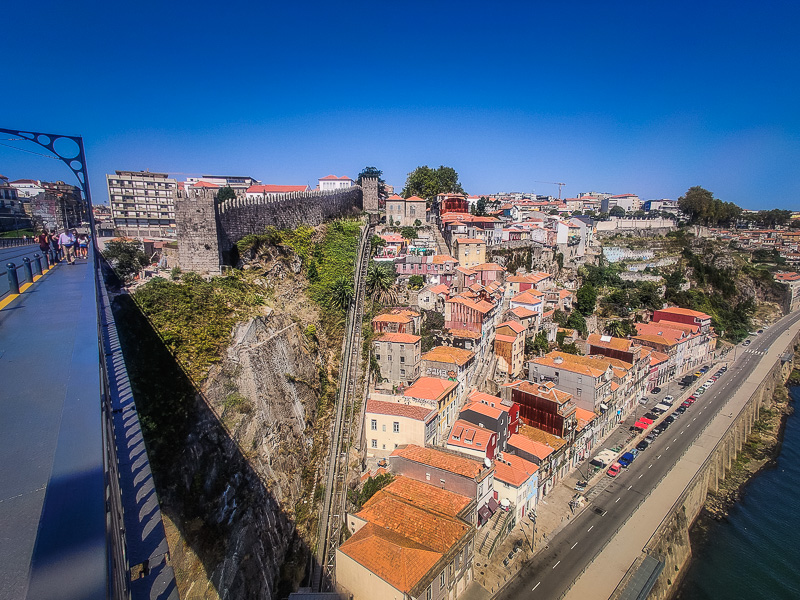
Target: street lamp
[(533, 532)]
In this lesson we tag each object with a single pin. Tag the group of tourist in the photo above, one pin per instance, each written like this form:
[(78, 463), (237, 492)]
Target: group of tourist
[(68, 245)]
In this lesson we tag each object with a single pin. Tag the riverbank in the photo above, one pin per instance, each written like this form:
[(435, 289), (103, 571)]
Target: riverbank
[(759, 452)]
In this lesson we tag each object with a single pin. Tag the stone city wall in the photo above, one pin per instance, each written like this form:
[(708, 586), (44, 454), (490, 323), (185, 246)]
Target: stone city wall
[(207, 231)]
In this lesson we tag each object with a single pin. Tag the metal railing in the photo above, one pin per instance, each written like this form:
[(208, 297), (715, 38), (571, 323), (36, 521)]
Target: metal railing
[(18, 273)]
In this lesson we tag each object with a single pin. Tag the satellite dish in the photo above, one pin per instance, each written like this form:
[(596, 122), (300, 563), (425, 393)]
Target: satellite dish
[(487, 462)]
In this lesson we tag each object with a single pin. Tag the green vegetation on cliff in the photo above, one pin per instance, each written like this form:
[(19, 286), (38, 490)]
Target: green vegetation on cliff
[(195, 317)]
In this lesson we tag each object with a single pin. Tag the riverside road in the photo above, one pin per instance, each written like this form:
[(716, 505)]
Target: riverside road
[(551, 571)]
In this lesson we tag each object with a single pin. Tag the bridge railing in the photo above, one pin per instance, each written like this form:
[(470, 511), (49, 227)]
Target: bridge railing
[(23, 269)]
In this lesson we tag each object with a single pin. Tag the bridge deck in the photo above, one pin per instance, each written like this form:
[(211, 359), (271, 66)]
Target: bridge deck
[(54, 465)]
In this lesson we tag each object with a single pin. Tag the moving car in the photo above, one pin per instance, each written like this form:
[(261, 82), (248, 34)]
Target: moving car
[(614, 469)]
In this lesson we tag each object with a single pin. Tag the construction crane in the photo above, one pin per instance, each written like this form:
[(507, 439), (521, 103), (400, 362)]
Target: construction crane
[(554, 183)]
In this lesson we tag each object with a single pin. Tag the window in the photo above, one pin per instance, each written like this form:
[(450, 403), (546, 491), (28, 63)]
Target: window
[(402, 359), (427, 476), (374, 425), (374, 443), (402, 372), (579, 392), (383, 426), (396, 427), (429, 593), (377, 357), (441, 481), (441, 580)]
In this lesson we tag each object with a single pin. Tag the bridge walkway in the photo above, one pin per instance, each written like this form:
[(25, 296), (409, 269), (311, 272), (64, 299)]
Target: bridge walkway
[(60, 478)]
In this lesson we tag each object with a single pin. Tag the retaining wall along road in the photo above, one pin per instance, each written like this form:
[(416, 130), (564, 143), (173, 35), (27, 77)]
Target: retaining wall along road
[(670, 542)]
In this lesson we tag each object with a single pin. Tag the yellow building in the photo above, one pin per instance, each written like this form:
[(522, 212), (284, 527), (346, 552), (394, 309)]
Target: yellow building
[(469, 251)]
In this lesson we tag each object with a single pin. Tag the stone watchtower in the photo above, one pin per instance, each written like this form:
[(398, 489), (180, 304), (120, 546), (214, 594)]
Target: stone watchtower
[(369, 185), (198, 238)]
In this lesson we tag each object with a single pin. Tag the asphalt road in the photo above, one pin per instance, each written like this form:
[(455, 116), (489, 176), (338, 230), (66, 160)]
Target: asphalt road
[(551, 571)]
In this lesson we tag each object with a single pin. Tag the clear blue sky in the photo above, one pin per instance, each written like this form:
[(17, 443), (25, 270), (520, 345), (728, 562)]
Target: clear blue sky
[(641, 97)]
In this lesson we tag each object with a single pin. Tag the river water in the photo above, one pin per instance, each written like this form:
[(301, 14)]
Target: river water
[(755, 553)]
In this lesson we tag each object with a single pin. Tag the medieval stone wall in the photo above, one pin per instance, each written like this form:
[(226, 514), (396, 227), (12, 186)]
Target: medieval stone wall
[(207, 231)]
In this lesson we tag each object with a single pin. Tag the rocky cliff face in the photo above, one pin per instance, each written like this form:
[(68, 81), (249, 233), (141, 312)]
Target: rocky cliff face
[(246, 466)]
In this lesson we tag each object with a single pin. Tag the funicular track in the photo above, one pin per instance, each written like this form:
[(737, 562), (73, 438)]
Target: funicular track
[(332, 517)]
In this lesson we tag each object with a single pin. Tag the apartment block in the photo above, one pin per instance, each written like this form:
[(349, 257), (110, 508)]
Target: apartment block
[(143, 203)]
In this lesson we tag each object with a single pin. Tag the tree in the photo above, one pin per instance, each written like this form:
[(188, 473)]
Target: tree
[(225, 193), (617, 211), (415, 282), (538, 344), (408, 233), (480, 207), (615, 329), (586, 299), (428, 183), (578, 323), (127, 258), (560, 318), (371, 172), (380, 283), (377, 242), (701, 207), (342, 292), (417, 223), (570, 348)]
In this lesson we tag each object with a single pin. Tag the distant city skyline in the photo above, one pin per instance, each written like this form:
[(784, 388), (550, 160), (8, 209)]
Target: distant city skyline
[(618, 98)]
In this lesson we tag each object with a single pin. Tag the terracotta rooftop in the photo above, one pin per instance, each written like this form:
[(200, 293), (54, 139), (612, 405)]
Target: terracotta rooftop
[(402, 338), (449, 354), (542, 437), (446, 461), (513, 325), (428, 497), (513, 470), (440, 259), (537, 449), (487, 267), (483, 409), (546, 389), (400, 409), (391, 318), (584, 417), (468, 241), (612, 343), (466, 435), (481, 306), (396, 559), (685, 312), (430, 388), (522, 312), (465, 333)]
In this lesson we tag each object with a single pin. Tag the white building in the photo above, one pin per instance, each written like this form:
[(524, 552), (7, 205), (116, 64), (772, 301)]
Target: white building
[(143, 203), (332, 182)]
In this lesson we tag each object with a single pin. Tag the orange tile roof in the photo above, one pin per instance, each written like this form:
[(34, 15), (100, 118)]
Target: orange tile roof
[(468, 241), (481, 306), (522, 312), (542, 437), (546, 389), (655, 339), (510, 475), (513, 325), (509, 339), (402, 338), (584, 417), (391, 318), (487, 267), (449, 354), (396, 559), (204, 184), (483, 409), (613, 343), (663, 329), (465, 333), (549, 360), (526, 444), (528, 297), (656, 358), (440, 289), (430, 388), (428, 497), (400, 409), (466, 435), (686, 312), (440, 259), (453, 463), (484, 398)]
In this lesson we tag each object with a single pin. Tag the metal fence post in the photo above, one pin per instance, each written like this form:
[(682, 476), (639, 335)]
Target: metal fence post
[(26, 264), (13, 281), (38, 258)]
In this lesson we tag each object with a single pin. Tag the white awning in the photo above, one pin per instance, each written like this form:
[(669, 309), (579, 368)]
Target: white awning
[(603, 406)]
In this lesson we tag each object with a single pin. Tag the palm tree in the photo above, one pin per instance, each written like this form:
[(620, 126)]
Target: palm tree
[(380, 284), (615, 329), (342, 292)]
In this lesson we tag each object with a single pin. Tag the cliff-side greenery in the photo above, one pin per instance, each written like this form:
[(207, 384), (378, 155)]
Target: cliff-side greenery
[(195, 317), (327, 262)]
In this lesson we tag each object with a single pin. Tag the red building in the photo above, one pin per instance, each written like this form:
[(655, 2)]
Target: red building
[(685, 316), (544, 407), (449, 203)]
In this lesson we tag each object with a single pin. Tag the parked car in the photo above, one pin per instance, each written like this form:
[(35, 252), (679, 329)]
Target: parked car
[(725, 368), (704, 369), (651, 416), (614, 469), (760, 331), (642, 446), (746, 343), (668, 399), (681, 409), (629, 457), (655, 390), (624, 462), (581, 486), (659, 430), (669, 420), (651, 437)]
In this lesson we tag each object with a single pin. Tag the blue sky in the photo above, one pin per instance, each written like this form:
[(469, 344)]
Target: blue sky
[(624, 97)]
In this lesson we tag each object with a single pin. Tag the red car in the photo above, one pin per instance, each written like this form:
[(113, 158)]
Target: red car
[(614, 469), (686, 404)]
